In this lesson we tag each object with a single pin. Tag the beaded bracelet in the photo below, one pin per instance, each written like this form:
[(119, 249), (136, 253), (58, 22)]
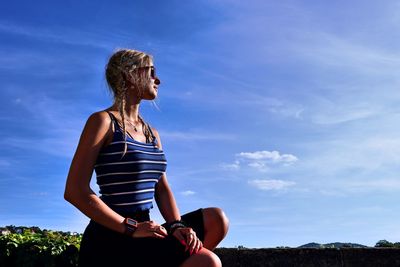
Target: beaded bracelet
[(171, 227)]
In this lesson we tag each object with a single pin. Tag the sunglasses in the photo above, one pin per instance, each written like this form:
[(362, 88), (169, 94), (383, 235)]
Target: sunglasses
[(152, 71)]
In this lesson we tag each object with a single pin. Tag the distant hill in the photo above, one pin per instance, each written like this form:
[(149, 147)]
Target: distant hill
[(333, 245)]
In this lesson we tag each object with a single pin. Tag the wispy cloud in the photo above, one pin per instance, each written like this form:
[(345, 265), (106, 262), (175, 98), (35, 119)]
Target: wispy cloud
[(188, 193), (260, 160), (272, 156), (254, 100), (350, 165), (55, 34), (58, 122), (377, 184), (62, 146), (271, 184), (230, 166), (196, 136), (330, 50), (353, 186), (338, 156), (278, 107), (335, 65), (331, 112)]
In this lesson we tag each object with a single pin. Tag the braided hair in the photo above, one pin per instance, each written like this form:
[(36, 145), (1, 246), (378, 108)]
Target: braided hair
[(123, 62)]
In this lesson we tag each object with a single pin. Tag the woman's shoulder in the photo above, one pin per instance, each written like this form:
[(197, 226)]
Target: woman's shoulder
[(99, 119), (96, 130), (100, 116)]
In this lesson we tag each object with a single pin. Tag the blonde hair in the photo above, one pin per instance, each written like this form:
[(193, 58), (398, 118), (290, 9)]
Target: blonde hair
[(121, 64)]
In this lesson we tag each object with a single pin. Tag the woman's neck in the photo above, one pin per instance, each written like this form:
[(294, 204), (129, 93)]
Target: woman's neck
[(131, 112)]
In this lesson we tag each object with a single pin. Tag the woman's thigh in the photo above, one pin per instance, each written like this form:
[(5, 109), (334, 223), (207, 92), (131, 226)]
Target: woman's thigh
[(104, 247)]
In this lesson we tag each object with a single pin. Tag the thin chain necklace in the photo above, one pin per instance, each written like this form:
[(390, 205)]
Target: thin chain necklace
[(133, 125)]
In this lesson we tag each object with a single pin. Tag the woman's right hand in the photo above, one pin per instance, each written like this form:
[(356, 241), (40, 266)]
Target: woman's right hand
[(150, 229)]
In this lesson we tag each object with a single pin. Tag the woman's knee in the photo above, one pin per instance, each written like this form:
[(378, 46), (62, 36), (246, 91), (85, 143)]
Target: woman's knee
[(202, 258), (216, 217)]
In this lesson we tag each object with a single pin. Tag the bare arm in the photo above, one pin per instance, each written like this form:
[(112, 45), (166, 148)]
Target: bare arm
[(169, 210), (163, 195), (77, 189)]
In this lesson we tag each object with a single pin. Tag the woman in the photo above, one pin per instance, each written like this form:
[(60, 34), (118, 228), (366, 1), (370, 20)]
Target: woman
[(130, 165)]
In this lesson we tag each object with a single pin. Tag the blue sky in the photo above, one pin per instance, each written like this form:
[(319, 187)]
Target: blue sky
[(284, 114)]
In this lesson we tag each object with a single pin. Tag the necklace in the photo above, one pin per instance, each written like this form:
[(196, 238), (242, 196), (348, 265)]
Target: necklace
[(133, 125)]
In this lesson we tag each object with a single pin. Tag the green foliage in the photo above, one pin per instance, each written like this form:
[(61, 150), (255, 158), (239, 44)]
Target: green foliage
[(23, 246), (387, 244)]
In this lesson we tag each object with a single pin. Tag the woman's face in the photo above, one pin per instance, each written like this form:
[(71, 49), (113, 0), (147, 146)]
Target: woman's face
[(150, 89)]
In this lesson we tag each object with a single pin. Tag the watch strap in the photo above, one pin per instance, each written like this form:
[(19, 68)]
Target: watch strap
[(130, 226)]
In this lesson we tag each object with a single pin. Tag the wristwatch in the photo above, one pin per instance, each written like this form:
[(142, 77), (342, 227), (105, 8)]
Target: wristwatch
[(130, 226)]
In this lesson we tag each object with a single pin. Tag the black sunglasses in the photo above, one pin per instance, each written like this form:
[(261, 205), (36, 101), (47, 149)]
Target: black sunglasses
[(152, 71)]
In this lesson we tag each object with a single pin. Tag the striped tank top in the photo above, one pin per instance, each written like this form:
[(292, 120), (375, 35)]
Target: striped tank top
[(127, 184)]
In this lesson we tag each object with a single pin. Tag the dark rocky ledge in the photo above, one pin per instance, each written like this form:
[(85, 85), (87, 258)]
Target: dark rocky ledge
[(309, 257)]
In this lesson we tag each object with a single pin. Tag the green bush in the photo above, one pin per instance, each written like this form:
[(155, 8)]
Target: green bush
[(31, 247), (386, 244)]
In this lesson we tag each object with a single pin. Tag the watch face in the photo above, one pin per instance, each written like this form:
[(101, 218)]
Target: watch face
[(131, 222)]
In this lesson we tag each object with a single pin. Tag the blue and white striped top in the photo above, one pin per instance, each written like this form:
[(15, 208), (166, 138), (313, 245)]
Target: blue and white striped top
[(127, 184)]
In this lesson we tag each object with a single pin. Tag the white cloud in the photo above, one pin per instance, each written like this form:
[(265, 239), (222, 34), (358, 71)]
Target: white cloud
[(260, 166), (271, 184), (272, 156), (188, 193), (231, 166), (260, 160)]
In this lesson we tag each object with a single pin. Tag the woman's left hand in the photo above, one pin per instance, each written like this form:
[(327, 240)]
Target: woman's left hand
[(188, 238)]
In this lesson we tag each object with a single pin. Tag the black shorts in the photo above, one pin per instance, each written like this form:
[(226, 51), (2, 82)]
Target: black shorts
[(102, 246)]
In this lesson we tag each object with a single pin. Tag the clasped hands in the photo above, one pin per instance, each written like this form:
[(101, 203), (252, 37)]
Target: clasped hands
[(185, 235), (188, 238)]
